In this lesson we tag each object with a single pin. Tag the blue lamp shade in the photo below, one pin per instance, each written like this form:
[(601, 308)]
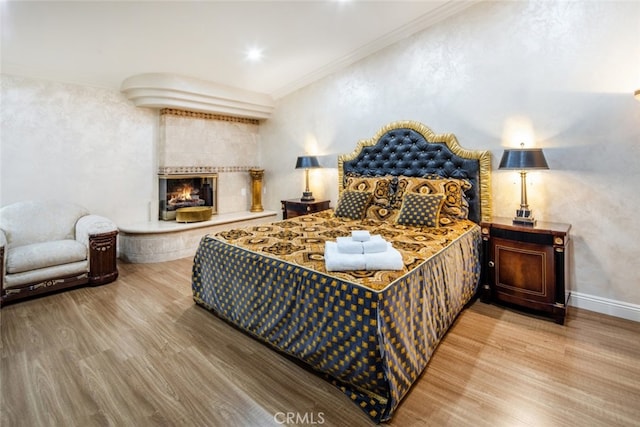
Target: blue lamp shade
[(307, 162), (523, 159)]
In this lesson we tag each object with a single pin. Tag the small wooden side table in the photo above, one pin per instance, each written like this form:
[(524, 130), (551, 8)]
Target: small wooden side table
[(292, 208), (526, 266)]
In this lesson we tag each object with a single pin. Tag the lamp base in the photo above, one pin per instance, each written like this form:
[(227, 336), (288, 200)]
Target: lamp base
[(524, 217), (307, 196), (524, 221)]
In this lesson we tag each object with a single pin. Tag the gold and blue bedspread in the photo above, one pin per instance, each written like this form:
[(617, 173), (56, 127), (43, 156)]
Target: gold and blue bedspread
[(370, 332)]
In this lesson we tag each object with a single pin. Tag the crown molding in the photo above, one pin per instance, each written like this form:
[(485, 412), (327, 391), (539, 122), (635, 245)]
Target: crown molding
[(165, 90)]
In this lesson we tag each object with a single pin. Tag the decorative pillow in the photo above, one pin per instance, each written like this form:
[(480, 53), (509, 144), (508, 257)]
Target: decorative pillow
[(353, 204), (407, 184), (455, 204), (421, 209), (380, 187), (381, 213)]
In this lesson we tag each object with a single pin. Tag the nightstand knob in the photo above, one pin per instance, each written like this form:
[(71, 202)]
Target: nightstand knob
[(492, 264)]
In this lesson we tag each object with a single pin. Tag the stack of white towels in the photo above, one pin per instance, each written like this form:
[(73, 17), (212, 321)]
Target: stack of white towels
[(361, 251)]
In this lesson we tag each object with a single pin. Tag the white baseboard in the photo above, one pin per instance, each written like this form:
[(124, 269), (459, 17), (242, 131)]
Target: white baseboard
[(605, 306)]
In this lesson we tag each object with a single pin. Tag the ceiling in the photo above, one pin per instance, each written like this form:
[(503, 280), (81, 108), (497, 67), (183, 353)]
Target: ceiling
[(101, 43)]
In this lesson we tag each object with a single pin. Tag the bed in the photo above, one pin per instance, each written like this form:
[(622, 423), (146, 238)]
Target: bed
[(369, 332)]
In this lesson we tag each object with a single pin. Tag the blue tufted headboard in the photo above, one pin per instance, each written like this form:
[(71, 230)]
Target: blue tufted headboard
[(410, 148)]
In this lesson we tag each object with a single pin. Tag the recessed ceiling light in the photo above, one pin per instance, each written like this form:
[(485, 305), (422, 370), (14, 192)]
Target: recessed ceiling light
[(254, 54)]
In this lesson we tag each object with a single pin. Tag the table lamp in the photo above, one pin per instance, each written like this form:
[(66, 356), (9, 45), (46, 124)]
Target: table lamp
[(523, 159), (306, 163)]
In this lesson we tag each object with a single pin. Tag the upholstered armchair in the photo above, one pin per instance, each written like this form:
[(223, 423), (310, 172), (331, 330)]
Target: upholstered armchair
[(52, 245)]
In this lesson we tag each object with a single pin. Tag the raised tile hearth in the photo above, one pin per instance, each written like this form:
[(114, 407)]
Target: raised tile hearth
[(159, 241)]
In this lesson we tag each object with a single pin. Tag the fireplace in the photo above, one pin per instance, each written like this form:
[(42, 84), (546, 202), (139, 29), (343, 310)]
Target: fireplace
[(186, 190)]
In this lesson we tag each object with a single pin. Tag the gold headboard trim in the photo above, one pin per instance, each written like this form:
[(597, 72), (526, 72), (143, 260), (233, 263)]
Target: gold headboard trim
[(483, 157)]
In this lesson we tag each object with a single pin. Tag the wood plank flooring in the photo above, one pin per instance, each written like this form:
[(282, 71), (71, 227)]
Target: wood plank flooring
[(139, 352)]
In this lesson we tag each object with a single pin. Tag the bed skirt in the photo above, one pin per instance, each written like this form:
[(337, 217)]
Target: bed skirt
[(371, 344)]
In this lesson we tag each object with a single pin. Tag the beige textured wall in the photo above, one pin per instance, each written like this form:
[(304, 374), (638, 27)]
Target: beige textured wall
[(93, 147), (84, 144), (557, 75)]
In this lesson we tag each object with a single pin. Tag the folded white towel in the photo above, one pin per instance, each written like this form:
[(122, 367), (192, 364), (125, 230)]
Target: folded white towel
[(360, 235), (346, 245), (336, 261), (390, 259), (374, 245)]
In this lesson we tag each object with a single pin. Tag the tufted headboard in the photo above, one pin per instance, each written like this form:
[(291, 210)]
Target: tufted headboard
[(409, 148)]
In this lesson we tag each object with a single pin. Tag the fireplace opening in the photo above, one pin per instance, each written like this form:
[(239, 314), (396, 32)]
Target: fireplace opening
[(183, 191)]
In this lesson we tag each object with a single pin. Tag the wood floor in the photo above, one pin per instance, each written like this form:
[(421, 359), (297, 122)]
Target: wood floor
[(138, 352)]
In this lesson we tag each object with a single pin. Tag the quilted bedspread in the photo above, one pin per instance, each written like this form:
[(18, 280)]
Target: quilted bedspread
[(371, 333)]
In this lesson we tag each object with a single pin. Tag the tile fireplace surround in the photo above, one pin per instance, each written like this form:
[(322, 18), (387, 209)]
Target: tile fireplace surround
[(203, 144)]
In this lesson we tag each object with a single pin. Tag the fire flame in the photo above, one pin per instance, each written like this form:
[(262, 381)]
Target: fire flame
[(186, 193), (181, 194)]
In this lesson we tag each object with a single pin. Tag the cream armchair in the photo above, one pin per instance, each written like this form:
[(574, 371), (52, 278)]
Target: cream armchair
[(51, 245)]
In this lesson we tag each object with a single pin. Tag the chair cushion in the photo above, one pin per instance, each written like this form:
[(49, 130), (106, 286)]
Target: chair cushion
[(50, 274), (47, 254)]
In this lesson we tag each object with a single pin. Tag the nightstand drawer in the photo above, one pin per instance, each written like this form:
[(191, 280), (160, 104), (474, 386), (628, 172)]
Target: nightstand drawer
[(522, 236)]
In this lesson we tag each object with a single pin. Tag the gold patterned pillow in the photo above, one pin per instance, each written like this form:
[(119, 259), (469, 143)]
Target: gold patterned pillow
[(421, 209), (353, 204), (455, 204), (382, 213), (380, 187)]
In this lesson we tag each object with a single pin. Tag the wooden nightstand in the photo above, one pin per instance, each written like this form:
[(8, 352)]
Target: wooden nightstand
[(296, 207), (526, 266)]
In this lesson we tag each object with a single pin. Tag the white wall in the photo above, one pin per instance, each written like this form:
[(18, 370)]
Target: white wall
[(87, 145), (92, 146), (556, 75)]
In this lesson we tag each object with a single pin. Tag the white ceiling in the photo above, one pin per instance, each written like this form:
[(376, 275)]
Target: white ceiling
[(101, 43)]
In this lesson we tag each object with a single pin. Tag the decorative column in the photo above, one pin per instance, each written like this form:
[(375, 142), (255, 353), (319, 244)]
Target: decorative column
[(256, 189)]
